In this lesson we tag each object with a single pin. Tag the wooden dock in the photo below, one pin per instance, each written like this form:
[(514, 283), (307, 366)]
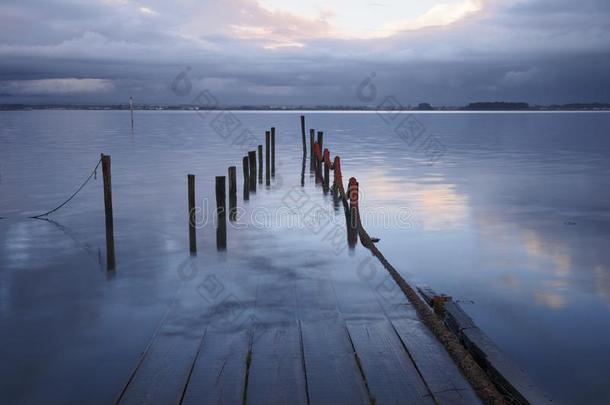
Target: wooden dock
[(316, 332), (324, 339)]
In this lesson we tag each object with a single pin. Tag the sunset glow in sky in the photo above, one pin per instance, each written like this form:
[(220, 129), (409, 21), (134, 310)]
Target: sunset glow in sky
[(375, 19), (305, 52)]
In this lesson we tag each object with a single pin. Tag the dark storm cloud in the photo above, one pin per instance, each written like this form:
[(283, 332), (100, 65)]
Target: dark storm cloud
[(541, 51)]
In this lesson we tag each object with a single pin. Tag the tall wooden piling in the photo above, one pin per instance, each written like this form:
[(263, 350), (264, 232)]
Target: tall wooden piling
[(267, 157), (316, 151), (246, 178), (272, 151), (337, 171), (252, 161), (131, 111), (321, 140), (312, 134), (106, 172), (221, 209), (192, 219), (326, 158), (303, 135), (260, 164), (337, 177), (232, 193)]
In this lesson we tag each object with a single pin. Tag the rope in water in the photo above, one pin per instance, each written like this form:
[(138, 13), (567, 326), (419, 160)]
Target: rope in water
[(93, 173)]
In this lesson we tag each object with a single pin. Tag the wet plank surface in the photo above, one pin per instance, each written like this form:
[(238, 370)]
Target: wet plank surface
[(276, 374), (390, 374), (442, 376), (333, 376), (219, 372), (303, 336), (162, 375)]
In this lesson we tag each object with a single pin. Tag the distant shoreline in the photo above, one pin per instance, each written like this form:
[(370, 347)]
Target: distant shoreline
[(473, 107)]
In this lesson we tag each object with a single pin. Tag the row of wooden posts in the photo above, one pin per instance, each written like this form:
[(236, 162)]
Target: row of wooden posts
[(318, 161), (249, 166), (321, 165), (249, 170)]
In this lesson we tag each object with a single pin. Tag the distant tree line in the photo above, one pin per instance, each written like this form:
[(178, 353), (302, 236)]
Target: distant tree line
[(476, 106)]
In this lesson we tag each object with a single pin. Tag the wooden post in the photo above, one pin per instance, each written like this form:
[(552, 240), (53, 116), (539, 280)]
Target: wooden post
[(192, 219), (337, 171), (303, 135), (260, 164), (106, 172), (267, 158), (311, 154), (272, 151), (246, 178), (326, 158), (316, 149), (321, 140), (232, 193), (252, 160), (131, 111), (221, 210)]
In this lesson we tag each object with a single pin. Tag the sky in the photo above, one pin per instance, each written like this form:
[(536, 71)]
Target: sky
[(304, 52)]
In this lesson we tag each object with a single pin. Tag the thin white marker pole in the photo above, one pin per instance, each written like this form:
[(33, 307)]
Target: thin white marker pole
[(131, 109)]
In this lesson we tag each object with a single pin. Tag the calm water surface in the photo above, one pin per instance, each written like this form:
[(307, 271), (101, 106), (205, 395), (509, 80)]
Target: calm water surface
[(514, 221)]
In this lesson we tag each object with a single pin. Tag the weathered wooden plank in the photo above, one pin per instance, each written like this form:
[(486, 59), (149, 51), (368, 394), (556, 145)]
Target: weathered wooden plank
[(456, 319), (356, 300), (390, 374), (219, 373), (332, 372), (316, 300), (391, 298), (162, 375), (427, 293), (275, 298), (440, 373), (276, 374), (506, 375)]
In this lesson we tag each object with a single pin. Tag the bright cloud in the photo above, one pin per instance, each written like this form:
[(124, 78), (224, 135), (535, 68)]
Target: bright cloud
[(365, 19)]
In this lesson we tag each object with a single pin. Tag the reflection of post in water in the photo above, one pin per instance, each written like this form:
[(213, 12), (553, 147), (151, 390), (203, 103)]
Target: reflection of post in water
[(232, 193), (303, 171), (260, 164), (352, 234), (110, 263), (252, 160), (246, 178), (96, 255), (352, 194), (221, 209), (191, 205)]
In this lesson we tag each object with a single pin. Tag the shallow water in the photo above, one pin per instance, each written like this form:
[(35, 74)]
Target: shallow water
[(513, 220)]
